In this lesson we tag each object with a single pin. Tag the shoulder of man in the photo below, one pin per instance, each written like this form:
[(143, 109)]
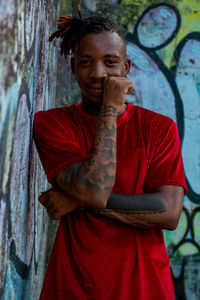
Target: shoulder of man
[(153, 120)]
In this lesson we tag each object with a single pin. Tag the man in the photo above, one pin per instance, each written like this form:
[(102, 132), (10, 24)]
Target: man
[(117, 174)]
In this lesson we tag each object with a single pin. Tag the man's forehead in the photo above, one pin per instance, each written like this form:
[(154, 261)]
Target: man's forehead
[(107, 43)]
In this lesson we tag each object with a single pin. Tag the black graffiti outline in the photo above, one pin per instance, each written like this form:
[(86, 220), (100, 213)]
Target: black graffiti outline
[(163, 68), (22, 268), (189, 229), (171, 37), (170, 74), (179, 282), (195, 35)]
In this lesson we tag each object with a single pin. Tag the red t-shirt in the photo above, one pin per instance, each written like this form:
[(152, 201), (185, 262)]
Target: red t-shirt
[(95, 257)]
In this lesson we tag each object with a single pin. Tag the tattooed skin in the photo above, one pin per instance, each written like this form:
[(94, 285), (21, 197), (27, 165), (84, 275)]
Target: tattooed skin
[(138, 204), (96, 175), (131, 218), (91, 183), (134, 210)]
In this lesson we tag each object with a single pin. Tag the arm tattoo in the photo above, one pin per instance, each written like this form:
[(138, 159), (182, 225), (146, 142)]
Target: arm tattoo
[(97, 172), (148, 203), (139, 211)]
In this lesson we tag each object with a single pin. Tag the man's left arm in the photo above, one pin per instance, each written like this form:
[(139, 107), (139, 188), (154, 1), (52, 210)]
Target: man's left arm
[(161, 208)]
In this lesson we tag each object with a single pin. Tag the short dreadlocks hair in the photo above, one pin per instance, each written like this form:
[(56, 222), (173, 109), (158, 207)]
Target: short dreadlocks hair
[(71, 29)]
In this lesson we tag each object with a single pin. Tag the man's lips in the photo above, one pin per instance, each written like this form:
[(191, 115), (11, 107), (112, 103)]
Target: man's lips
[(96, 89)]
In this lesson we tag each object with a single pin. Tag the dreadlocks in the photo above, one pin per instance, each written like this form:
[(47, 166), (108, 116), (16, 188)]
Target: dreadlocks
[(71, 29)]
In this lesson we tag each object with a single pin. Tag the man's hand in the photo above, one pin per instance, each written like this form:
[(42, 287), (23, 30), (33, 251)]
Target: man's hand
[(116, 90), (58, 203)]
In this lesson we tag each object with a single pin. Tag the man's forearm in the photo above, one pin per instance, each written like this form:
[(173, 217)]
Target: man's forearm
[(150, 203), (139, 211), (159, 209), (91, 182)]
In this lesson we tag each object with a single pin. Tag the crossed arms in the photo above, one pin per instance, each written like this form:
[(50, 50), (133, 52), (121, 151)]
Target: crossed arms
[(90, 184)]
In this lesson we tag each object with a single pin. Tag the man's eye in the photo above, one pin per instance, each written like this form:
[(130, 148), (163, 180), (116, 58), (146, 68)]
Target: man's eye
[(111, 62)]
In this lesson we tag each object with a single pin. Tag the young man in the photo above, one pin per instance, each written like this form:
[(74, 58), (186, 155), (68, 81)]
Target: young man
[(117, 174)]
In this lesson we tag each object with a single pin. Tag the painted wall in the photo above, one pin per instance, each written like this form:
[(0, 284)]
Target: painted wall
[(27, 83), (163, 42)]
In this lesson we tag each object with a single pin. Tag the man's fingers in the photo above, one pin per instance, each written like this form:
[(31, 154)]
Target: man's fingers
[(43, 198), (49, 208), (46, 200)]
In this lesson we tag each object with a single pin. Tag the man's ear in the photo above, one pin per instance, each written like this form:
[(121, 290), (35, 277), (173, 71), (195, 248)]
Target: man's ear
[(127, 66), (72, 63)]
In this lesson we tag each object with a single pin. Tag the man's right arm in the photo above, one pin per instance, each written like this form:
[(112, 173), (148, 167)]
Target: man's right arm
[(91, 182)]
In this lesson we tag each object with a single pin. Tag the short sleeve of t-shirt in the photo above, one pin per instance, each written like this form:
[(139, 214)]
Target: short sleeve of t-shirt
[(57, 141), (166, 164)]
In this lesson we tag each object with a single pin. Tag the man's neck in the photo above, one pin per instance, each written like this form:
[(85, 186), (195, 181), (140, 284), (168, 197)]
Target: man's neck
[(93, 109), (90, 108)]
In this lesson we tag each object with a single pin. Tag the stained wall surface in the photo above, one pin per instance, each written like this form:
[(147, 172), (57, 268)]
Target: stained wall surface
[(27, 83), (163, 43)]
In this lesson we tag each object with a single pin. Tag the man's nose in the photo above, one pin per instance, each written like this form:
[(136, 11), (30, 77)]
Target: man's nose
[(98, 71)]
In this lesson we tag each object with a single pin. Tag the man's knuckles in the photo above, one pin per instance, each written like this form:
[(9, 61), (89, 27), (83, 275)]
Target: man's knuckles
[(47, 200), (42, 199), (118, 84), (115, 81)]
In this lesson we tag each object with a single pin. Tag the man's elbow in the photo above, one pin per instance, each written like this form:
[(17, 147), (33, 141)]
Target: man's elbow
[(172, 220), (174, 207), (172, 225)]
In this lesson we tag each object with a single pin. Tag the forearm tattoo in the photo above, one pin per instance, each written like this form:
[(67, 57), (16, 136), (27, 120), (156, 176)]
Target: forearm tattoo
[(139, 211), (97, 172), (148, 203)]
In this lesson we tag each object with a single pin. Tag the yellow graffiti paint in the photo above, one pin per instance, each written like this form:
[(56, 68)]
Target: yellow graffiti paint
[(190, 21)]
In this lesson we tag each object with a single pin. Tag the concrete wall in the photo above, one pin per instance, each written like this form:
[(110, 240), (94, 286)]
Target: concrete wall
[(163, 43), (27, 83)]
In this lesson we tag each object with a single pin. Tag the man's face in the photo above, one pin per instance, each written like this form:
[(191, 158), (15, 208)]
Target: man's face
[(96, 57)]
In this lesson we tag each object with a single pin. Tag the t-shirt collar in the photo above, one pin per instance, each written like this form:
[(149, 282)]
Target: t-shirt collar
[(120, 119)]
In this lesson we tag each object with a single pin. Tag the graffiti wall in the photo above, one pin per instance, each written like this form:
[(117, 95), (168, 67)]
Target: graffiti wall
[(27, 83), (163, 43)]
